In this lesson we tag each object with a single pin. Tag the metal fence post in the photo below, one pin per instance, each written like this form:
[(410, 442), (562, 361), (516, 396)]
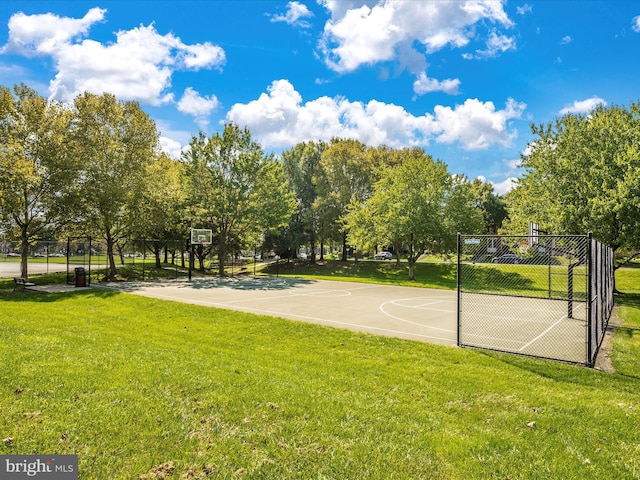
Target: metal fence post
[(570, 291), (458, 283), (590, 278)]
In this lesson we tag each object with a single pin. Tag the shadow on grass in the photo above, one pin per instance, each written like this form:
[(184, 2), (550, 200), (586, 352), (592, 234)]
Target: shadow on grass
[(433, 275), (628, 299), (484, 278), (7, 295), (567, 373)]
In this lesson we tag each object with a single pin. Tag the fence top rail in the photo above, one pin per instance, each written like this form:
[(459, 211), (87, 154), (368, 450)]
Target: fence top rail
[(545, 235)]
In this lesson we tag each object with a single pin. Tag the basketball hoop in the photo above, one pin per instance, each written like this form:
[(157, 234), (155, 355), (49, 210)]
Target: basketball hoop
[(201, 236)]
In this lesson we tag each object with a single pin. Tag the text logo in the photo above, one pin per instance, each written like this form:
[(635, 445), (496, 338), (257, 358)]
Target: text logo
[(45, 467)]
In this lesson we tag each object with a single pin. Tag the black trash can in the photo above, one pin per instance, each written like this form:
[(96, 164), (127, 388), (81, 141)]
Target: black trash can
[(81, 277)]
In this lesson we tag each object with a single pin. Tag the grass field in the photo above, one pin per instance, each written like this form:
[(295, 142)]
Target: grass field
[(141, 388)]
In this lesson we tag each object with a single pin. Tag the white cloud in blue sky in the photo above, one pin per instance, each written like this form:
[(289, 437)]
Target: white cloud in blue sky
[(295, 15), (583, 106), (462, 79)]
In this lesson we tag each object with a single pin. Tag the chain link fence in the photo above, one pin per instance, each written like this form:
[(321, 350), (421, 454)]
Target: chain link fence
[(145, 259), (546, 296), (87, 257), (43, 257)]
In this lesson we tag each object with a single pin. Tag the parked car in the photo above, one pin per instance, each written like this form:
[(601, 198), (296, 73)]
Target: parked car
[(383, 256), (507, 258)]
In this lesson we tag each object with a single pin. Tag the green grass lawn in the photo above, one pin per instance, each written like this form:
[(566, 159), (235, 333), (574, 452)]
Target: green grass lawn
[(142, 388)]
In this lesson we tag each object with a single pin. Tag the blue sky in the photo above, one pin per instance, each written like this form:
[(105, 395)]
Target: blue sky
[(463, 80)]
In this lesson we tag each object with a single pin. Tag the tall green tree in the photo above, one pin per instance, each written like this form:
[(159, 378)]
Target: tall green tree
[(37, 174), (301, 164), (346, 173), (115, 142), (160, 212), (492, 205), (582, 174), (235, 189), (415, 205)]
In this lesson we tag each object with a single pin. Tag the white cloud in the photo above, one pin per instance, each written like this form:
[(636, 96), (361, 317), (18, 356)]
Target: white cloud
[(200, 107), (496, 44), (513, 164), (583, 106), (171, 147), (566, 39), (137, 66), (361, 33), (280, 118), (524, 9), (424, 84), (44, 34), (635, 24), (501, 188), (296, 12), (477, 125)]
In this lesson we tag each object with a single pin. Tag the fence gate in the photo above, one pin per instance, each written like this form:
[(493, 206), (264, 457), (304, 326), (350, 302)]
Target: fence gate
[(546, 296)]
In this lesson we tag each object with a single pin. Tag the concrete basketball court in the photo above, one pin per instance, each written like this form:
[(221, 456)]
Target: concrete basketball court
[(407, 312)]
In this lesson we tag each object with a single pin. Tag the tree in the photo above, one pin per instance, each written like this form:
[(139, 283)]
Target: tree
[(347, 172), (462, 213), (583, 175), (414, 205), (300, 165), (160, 212), (37, 174), (493, 207), (235, 189), (115, 142)]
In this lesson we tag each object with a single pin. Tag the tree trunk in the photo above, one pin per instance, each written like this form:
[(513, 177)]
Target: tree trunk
[(24, 253), (412, 260), (344, 247), (396, 247), (157, 251), (312, 242), (112, 263)]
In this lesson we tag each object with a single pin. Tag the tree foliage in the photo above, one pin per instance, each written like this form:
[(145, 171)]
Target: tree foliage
[(37, 172), (414, 206), (346, 173), (492, 205), (159, 212), (114, 142), (235, 189), (583, 175), (301, 164)]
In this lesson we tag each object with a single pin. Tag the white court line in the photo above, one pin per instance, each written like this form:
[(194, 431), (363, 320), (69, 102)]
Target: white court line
[(305, 317), (542, 334), (409, 321), (423, 305), (331, 293)]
